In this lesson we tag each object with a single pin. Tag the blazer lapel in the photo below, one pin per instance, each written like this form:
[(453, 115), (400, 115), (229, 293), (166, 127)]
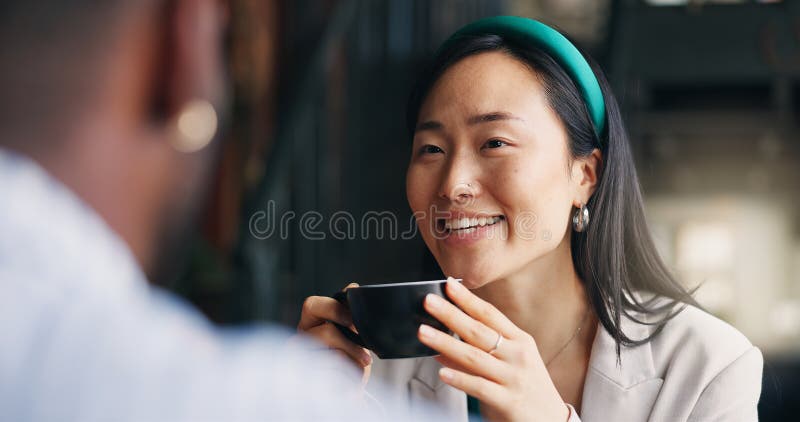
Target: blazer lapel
[(624, 392), (426, 385)]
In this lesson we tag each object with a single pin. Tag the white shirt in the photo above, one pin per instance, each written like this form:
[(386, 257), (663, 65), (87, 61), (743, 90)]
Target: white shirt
[(85, 337)]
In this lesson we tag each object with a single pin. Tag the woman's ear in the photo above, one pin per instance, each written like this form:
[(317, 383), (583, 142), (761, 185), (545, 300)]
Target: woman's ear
[(585, 173)]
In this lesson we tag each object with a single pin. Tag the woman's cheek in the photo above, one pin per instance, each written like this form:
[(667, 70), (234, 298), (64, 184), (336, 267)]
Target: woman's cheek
[(414, 190)]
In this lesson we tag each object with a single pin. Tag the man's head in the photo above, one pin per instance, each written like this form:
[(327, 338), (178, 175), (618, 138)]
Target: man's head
[(93, 90)]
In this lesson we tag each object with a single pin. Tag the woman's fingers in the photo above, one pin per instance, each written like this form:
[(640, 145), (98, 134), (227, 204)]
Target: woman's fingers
[(468, 329), (445, 361), (317, 320), (365, 375), (482, 389), (330, 336), (319, 309), (480, 309), (463, 355)]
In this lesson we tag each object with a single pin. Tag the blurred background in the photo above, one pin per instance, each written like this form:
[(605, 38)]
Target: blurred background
[(710, 91)]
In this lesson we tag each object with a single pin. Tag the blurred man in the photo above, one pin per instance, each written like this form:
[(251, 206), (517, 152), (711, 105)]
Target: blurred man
[(107, 118)]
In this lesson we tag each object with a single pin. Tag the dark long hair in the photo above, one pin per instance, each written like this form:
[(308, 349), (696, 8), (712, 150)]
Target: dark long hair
[(615, 257)]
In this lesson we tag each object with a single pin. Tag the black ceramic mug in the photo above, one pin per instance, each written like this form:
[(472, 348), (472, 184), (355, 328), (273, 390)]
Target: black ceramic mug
[(388, 316)]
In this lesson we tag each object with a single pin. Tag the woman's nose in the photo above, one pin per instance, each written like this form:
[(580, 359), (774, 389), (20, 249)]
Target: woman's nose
[(462, 194), (460, 184)]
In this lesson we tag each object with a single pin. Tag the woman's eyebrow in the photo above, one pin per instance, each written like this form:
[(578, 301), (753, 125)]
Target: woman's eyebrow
[(493, 117), (474, 120), (429, 125)]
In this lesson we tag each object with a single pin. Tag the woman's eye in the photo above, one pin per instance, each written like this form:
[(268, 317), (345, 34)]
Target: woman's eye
[(430, 149), (494, 143)]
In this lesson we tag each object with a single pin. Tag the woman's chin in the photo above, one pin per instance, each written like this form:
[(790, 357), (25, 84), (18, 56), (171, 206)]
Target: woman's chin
[(474, 271)]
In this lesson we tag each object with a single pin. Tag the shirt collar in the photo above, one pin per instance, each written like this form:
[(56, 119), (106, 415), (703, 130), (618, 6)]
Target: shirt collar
[(49, 231)]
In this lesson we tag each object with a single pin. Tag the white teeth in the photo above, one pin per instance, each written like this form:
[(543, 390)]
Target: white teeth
[(469, 230), (469, 223)]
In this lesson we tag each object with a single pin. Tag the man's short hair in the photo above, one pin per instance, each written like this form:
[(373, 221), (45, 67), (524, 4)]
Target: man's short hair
[(49, 55)]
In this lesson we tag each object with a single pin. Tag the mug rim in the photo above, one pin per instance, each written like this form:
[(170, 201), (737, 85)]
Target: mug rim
[(404, 283)]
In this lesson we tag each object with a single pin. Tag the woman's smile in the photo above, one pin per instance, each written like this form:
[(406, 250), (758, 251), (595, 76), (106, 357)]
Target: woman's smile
[(465, 231)]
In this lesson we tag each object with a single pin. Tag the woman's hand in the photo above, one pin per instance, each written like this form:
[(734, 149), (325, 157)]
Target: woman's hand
[(511, 380), (315, 321)]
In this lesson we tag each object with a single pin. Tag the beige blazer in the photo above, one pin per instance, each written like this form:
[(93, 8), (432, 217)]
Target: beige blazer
[(698, 368)]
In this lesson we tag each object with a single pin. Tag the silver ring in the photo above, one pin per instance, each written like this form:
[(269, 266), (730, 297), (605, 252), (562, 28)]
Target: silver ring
[(496, 344)]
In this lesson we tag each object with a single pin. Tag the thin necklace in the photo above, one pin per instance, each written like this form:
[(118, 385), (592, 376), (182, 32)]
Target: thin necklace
[(583, 321)]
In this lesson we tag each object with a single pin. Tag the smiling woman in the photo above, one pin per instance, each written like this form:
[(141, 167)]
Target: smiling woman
[(505, 127), (566, 311)]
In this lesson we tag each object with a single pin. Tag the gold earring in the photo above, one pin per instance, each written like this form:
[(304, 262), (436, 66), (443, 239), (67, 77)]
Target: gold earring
[(195, 126)]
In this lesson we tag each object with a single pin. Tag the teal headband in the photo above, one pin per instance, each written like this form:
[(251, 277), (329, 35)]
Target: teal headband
[(529, 31)]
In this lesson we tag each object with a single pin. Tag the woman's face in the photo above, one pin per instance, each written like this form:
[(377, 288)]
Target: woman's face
[(490, 179)]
